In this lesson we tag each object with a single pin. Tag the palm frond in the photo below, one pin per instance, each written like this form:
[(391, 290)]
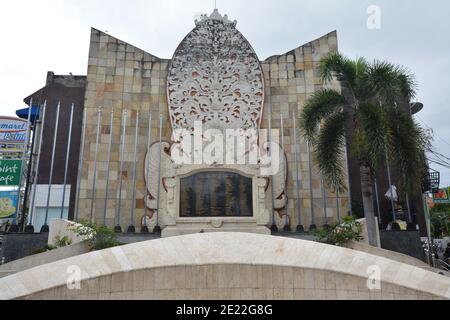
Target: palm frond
[(376, 132), (336, 65), (390, 83), (318, 107), (361, 66), (330, 151), (360, 89), (407, 149), (407, 83)]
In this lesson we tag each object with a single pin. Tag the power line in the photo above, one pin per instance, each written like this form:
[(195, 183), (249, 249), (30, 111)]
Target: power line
[(440, 154), (439, 163), (442, 160), (439, 160), (432, 130)]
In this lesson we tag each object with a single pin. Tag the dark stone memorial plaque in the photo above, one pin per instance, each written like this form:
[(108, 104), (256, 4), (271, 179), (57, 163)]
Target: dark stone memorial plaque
[(216, 194)]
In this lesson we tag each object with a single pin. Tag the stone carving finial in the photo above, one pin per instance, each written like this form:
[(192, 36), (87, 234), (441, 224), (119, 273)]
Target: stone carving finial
[(215, 16)]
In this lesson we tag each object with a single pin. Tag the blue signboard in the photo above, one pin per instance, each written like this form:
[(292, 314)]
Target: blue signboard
[(13, 130), (8, 204)]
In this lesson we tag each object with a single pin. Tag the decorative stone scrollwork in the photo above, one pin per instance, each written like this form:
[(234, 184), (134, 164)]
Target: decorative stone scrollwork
[(215, 78), (217, 223), (151, 173), (262, 185), (279, 182), (281, 220), (170, 184)]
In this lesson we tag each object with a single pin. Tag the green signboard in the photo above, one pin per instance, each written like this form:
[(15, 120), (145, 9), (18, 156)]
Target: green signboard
[(10, 171)]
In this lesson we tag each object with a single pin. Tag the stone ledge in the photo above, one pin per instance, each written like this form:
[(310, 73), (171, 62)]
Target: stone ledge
[(315, 261)]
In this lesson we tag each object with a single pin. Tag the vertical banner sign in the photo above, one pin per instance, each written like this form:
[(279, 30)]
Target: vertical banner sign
[(10, 171), (8, 204)]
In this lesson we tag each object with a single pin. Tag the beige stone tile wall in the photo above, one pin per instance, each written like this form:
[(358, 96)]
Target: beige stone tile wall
[(290, 79), (120, 77), (230, 282), (123, 77), (217, 264)]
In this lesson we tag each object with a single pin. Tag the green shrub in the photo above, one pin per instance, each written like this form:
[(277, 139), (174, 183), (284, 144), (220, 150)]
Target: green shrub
[(47, 247), (62, 242), (59, 243), (98, 237), (441, 207), (440, 220), (341, 233)]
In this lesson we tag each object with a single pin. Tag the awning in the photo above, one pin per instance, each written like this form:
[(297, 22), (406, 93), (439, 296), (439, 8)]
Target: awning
[(23, 113)]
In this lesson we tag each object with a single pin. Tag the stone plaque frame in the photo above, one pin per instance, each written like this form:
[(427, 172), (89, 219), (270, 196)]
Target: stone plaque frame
[(237, 202), (177, 225)]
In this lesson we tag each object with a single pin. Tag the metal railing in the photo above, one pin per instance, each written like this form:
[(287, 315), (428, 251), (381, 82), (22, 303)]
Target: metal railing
[(441, 264)]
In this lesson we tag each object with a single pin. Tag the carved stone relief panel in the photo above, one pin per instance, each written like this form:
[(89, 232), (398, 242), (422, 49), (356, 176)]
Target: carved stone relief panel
[(215, 78)]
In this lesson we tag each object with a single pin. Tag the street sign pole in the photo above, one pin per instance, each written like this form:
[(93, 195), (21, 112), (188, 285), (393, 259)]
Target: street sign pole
[(45, 227), (27, 182), (131, 228), (66, 167), (30, 228), (108, 166), (14, 227), (144, 228)]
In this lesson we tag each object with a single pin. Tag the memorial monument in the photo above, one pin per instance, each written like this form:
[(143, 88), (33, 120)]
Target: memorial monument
[(204, 142)]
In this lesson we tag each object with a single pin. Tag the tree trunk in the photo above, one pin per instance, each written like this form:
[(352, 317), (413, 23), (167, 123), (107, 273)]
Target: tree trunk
[(367, 196)]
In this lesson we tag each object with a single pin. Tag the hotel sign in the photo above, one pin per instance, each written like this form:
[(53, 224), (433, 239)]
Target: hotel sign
[(10, 171), (13, 130)]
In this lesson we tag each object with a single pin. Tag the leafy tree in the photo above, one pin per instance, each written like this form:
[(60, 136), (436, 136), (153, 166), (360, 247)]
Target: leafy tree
[(370, 105), (441, 207), (440, 220)]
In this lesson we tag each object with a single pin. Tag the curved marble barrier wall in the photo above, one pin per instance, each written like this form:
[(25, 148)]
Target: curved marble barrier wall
[(226, 266)]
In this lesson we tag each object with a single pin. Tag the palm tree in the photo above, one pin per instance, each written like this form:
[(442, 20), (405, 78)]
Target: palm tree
[(368, 112)]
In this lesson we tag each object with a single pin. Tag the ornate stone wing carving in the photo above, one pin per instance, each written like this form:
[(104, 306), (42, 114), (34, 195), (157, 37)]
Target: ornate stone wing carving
[(281, 220), (279, 181), (151, 171)]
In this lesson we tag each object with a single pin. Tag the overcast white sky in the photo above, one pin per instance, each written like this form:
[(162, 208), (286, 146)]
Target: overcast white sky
[(53, 35)]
